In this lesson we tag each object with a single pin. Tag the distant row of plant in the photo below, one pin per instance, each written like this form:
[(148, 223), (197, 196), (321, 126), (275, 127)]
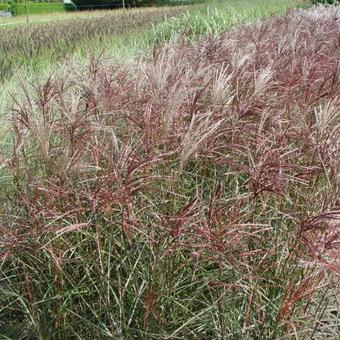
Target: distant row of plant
[(23, 46), (214, 20), (60, 40), (18, 7)]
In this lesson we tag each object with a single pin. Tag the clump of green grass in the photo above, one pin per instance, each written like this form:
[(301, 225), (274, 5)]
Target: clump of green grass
[(219, 16), (193, 195)]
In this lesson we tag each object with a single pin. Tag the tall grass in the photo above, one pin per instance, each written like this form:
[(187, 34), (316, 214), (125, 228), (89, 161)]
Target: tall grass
[(57, 40), (44, 60), (221, 15), (53, 42), (193, 195)]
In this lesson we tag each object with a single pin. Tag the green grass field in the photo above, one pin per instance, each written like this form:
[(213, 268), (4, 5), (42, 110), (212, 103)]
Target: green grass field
[(38, 8), (171, 173)]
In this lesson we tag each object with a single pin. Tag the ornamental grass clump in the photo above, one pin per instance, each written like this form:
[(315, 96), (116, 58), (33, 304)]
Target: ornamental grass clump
[(57, 40), (193, 195)]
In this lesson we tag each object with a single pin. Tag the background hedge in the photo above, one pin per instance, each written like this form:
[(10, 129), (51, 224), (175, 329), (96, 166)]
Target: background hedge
[(325, 2)]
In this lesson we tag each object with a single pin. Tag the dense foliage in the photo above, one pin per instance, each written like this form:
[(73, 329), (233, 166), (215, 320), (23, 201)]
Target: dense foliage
[(194, 195), (86, 4), (326, 2), (54, 41), (58, 40), (4, 6)]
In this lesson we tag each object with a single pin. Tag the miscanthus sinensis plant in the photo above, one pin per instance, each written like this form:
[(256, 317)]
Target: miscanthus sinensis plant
[(55, 41), (193, 195), (219, 16)]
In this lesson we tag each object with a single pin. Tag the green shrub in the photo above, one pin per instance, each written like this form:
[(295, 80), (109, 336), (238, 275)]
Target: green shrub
[(90, 4), (69, 6), (4, 7), (326, 2)]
